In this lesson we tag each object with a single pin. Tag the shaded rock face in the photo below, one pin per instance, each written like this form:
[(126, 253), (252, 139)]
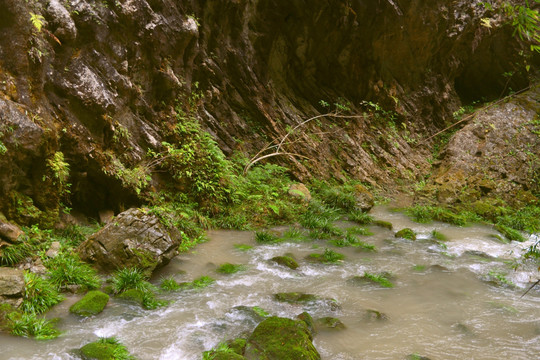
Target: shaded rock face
[(11, 286), (496, 154), (100, 82), (133, 239)]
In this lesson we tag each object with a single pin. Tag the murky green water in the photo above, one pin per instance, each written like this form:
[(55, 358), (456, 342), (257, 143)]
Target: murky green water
[(443, 312)]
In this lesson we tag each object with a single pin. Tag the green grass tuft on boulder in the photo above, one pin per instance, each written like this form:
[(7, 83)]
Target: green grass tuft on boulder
[(91, 304), (406, 233)]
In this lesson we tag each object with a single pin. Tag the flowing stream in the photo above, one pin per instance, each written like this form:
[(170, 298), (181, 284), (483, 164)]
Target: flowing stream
[(440, 307)]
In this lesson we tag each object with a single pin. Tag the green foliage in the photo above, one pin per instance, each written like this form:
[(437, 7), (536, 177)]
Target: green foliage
[(328, 257), (136, 178), (243, 247), (14, 254), (294, 234), (266, 237), (509, 233), (357, 230), (525, 219), (351, 240), (202, 282), (106, 349), (426, 213), (68, 269), (37, 21), (339, 198), (499, 278), (39, 294), (229, 268), (169, 284), (360, 217), (439, 236), (380, 279), (526, 23), (30, 325), (406, 233), (130, 278), (321, 217)]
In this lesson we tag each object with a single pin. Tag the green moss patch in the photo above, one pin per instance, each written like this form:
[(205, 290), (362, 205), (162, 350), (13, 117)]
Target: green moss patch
[(382, 279), (406, 233), (91, 304), (105, 349), (229, 268), (286, 261), (281, 338)]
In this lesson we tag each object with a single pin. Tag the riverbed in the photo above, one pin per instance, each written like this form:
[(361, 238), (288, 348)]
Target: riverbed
[(443, 304)]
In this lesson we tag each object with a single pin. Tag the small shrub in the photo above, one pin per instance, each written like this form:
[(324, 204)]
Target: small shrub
[(202, 282), (67, 269), (130, 278), (380, 279), (229, 268), (29, 325), (14, 254), (361, 217), (169, 284), (39, 294), (265, 237)]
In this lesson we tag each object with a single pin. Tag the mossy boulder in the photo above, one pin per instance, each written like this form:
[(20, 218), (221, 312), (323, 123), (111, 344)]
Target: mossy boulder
[(383, 224), (286, 261), (306, 299), (225, 355), (374, 315), (308, 319), (134, 295), (406, 233), (279, 338), (91, 304), (105, 349)]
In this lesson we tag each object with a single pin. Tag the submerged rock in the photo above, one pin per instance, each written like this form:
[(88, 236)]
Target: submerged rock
[(134, 239), (91, 304), (281, 339), (330, 323), (307, 299), (374, 315)]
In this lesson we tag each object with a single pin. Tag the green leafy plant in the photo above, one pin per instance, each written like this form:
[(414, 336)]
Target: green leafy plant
[(68, 269), (169, 284), (39, 294), (37, 21), (130, 278), (30, 325), (380, 279), (265, 237), (360, 217), (14, 254), (202, 282)]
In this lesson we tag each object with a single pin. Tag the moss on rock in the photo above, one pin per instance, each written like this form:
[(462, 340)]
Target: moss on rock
[(91, 304), (406, 233), (281, 339), (286, 261), (105, 349)]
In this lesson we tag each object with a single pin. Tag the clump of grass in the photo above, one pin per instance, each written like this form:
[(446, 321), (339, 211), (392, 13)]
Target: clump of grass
[(130, 283), (68, 269), (39, 294), (525, 219), (14, 254), (202, 282), (499, 278), (360, 217), (229, 268), (30, 325), (509, 233), (266, 237), (130, 278), (243, 247), (357, 230), (339, 197), (169, 284), (351, 240), (219, 352), (426, 214), (328, 257), (438, 236), (294, 234), (380, 279)]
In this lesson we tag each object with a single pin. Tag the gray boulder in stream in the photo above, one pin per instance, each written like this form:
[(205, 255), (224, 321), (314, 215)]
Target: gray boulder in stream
[(134, 239)]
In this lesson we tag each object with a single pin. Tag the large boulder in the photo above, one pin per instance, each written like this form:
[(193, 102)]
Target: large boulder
[(11, 286), (134, 239), (281, 339)]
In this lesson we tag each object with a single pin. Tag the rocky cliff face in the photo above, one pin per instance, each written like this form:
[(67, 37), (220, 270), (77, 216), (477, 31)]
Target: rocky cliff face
[(88, 88)]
